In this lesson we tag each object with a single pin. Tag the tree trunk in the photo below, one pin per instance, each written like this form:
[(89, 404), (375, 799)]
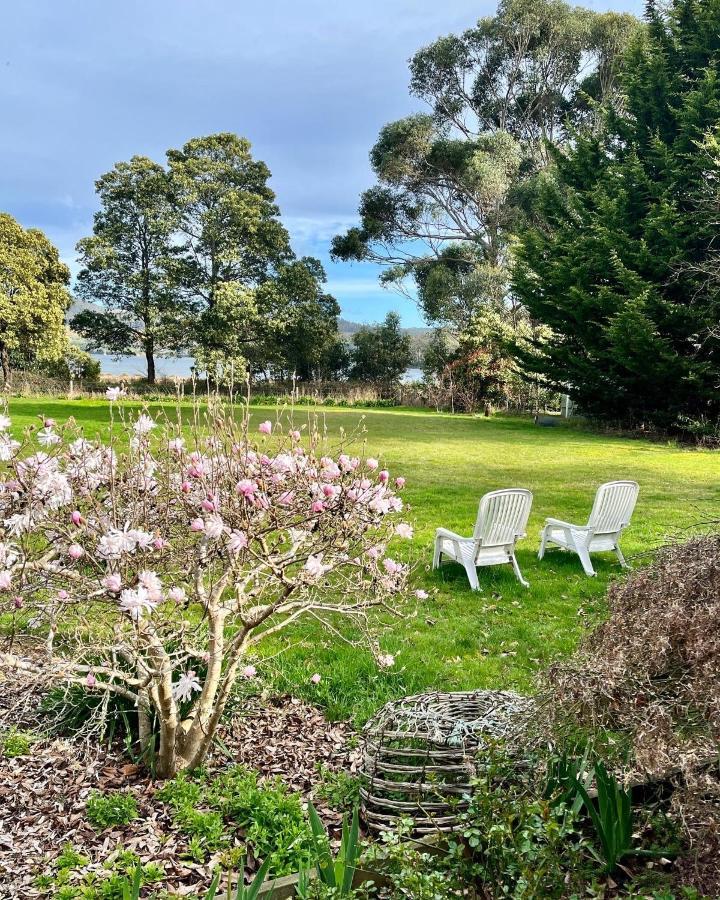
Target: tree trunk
[(150, 359), (5, 361)]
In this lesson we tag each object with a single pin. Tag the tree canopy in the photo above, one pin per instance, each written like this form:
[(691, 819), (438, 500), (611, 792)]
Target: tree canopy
[(451, 182), (34, 297), (615, 264), (126, 265)]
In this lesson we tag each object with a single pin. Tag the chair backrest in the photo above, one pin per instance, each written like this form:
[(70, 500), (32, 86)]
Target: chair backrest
[(502, 516), (613, 506)]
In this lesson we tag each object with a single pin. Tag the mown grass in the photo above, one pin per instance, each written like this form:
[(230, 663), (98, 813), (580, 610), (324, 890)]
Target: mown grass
[(501, 636)]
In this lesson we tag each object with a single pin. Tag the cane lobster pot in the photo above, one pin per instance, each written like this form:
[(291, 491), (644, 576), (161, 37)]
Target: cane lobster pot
[(421, 754)]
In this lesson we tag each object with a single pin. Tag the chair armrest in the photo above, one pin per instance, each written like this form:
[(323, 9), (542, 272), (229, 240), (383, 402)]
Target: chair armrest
[(446, 533), (560, 524)]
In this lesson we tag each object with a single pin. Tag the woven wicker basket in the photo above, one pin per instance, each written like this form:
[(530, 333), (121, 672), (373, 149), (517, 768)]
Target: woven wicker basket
[(420, 752)]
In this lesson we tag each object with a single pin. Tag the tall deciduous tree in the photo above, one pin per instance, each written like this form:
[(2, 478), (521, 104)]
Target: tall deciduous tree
[(233, 239), (34, 296), (450, 191), (615, 265), (125, 265), (253, 300)]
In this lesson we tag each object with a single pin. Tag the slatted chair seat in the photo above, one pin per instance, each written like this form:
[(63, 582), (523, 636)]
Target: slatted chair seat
[(609, 517), (501, 522)]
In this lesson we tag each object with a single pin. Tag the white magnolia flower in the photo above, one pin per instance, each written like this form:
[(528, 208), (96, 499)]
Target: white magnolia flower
[(315, 566), (114, 394), (186, 686), (5, 422), (47, 437), (136, 602), (152, 584), (144, 424), (404, 530), (214, 526), (7, 447)]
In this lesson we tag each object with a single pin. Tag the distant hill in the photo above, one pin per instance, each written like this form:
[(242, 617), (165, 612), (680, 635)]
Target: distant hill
[(345, 326)]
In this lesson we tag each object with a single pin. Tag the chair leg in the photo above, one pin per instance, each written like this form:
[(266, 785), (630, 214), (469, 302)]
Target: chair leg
[(584, 554), (472, 575), (543, 542), (518, 573), (621, 558), (437, 555)]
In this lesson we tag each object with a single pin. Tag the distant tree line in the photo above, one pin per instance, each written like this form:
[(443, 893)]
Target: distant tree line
[(187, 257)]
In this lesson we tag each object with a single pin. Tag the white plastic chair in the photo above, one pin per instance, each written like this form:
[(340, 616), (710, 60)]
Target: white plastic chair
[(610, 516), (501, 521)]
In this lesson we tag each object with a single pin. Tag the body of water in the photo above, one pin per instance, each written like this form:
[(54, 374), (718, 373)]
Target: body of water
[(173, 366)]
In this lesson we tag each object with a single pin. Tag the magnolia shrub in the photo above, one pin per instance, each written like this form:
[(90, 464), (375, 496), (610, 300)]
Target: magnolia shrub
[(150, 565)]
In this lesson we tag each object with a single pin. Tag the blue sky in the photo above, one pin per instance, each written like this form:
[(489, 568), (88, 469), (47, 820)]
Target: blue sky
[(86, 83)]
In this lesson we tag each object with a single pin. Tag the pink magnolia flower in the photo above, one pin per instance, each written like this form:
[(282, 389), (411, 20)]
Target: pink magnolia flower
[(383, 476), (329, 490), (152, 584), (316, 678), (186, 487), (18, 602), (48, 423), (238, 541), (295, 435), (318, 506), (112, 583), (386, 661), (249, 672), (159, 543), (197, 525), (371, 463), (246, 487), (422, 595), (90, 680), (400, 483), (62, 595), (76, 517), (265, 427), (286, 498), (209, 504), (404, 530), (75, 552), (392, 567), (176, 445), (177, 594)]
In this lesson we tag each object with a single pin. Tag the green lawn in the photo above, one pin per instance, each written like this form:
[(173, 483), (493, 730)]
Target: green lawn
[(502, 635)]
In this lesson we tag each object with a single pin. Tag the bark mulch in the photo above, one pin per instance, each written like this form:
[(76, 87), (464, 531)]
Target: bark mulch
[(43, 794)]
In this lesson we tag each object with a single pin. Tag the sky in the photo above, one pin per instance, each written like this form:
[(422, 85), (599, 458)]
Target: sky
[(87, 83)]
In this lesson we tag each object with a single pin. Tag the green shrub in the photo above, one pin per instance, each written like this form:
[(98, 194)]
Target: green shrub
[(338, 788), (104, 810), (16, 743)]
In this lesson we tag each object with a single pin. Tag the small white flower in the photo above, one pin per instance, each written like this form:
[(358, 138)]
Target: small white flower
[(214, 526), (136, 602), (186, 686), (47, 437), (315, 566), (143, 425), (404, 530), (5, 422), (114, 394)]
